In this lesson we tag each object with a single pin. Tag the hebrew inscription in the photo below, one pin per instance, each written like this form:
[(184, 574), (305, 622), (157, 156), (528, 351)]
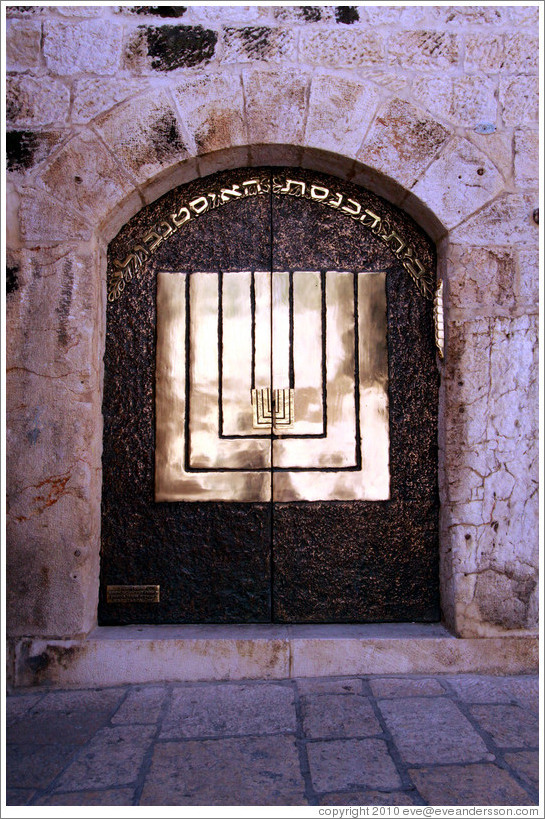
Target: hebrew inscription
[(125, 270)]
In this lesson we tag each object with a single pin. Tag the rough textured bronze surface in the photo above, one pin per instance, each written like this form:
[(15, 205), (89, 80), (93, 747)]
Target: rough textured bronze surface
[(331, 562)]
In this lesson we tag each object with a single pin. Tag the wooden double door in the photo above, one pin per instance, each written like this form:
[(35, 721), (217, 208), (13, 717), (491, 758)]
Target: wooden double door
[(270, 407)]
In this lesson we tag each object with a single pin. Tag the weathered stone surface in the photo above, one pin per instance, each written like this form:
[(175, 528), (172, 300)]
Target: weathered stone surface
[(340, 112), (458, 16), (484, 52), (528, 280), (432, 729), (169, 47), (93, 45), (519, 98), (338, 715), (213, 111), (23, 38), (249, 771), (18, 706), (34, 766), (95, 95), (330, 685), (509, 725), (402, 141), (481, 281), (18, 796), (479, 689), (351, 763), (112, 758), (508, 53), (85, 175), (526, 159), (526, 765), (341, 47), (142, 705), (464, 100), (252, 43), (35, 101), (235, 709), (525, 690), (509, 215), (303, 14), (424, 49), (521, 53), (468, 785), (498, 147), (145, 140), (406, 687), (26, 149), (115, 796), (461, 180), (275, 105)]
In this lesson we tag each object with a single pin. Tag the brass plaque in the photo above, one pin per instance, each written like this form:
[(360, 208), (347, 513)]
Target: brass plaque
[(133, 594)]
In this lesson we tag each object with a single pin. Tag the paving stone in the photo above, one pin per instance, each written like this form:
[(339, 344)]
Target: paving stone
[(242, 771), (405, 687), (142, 705), (468, 785), (351, 763), (70, 702), (229, 709), (367, 798), (320, 685), (526, 765), (75, 728), (18, 796), (479, 689), (35, 766), (17, 706), (509, 725), (426, 730), (525, 690), (338, 715), (117, 796), (113, 757)]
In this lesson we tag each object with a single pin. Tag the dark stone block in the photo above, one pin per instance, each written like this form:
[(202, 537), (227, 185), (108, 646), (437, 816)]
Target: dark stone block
[(159, 11), (347, 14), (12, 282), (21, 146), (172, 47)]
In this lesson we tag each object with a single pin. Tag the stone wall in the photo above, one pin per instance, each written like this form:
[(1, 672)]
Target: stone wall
[(435, 108)]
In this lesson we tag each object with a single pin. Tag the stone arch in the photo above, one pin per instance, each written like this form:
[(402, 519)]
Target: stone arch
[(146, 143)]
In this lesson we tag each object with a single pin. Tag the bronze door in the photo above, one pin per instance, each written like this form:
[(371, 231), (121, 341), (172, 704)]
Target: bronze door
[(270, 408)]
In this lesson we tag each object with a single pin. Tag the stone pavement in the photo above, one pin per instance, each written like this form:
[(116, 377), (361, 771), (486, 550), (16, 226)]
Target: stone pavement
[(405, 740)]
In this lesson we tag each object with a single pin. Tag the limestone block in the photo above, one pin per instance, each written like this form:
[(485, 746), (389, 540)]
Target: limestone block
[(342, 763), (498, 146), (406, 16), (92, 45), (526, 158), (521, 53), (428, 50), (513, 398), (33, 101), (146, 136), (86, 177), (391, 80), (458, 16), (45, 221), (484, 52), (519, 98), (25, 11), (483, 784), (95, 95), (303, 14), (341, 47), (169, 47), (402, 141), (520, 15), (481, 281), (528, 280), (467, 380), (459, 182), (220, 15), (463, 100), (23, 39), (340, 112), (276, 103), (252, 43), (26, 149), (213, 110), (80, 11), (509, 215)]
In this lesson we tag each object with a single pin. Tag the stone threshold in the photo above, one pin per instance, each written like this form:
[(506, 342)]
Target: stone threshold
[(119, 655)]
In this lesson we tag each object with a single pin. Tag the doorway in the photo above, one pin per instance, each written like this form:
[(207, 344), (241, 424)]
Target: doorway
[(270, 408)]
